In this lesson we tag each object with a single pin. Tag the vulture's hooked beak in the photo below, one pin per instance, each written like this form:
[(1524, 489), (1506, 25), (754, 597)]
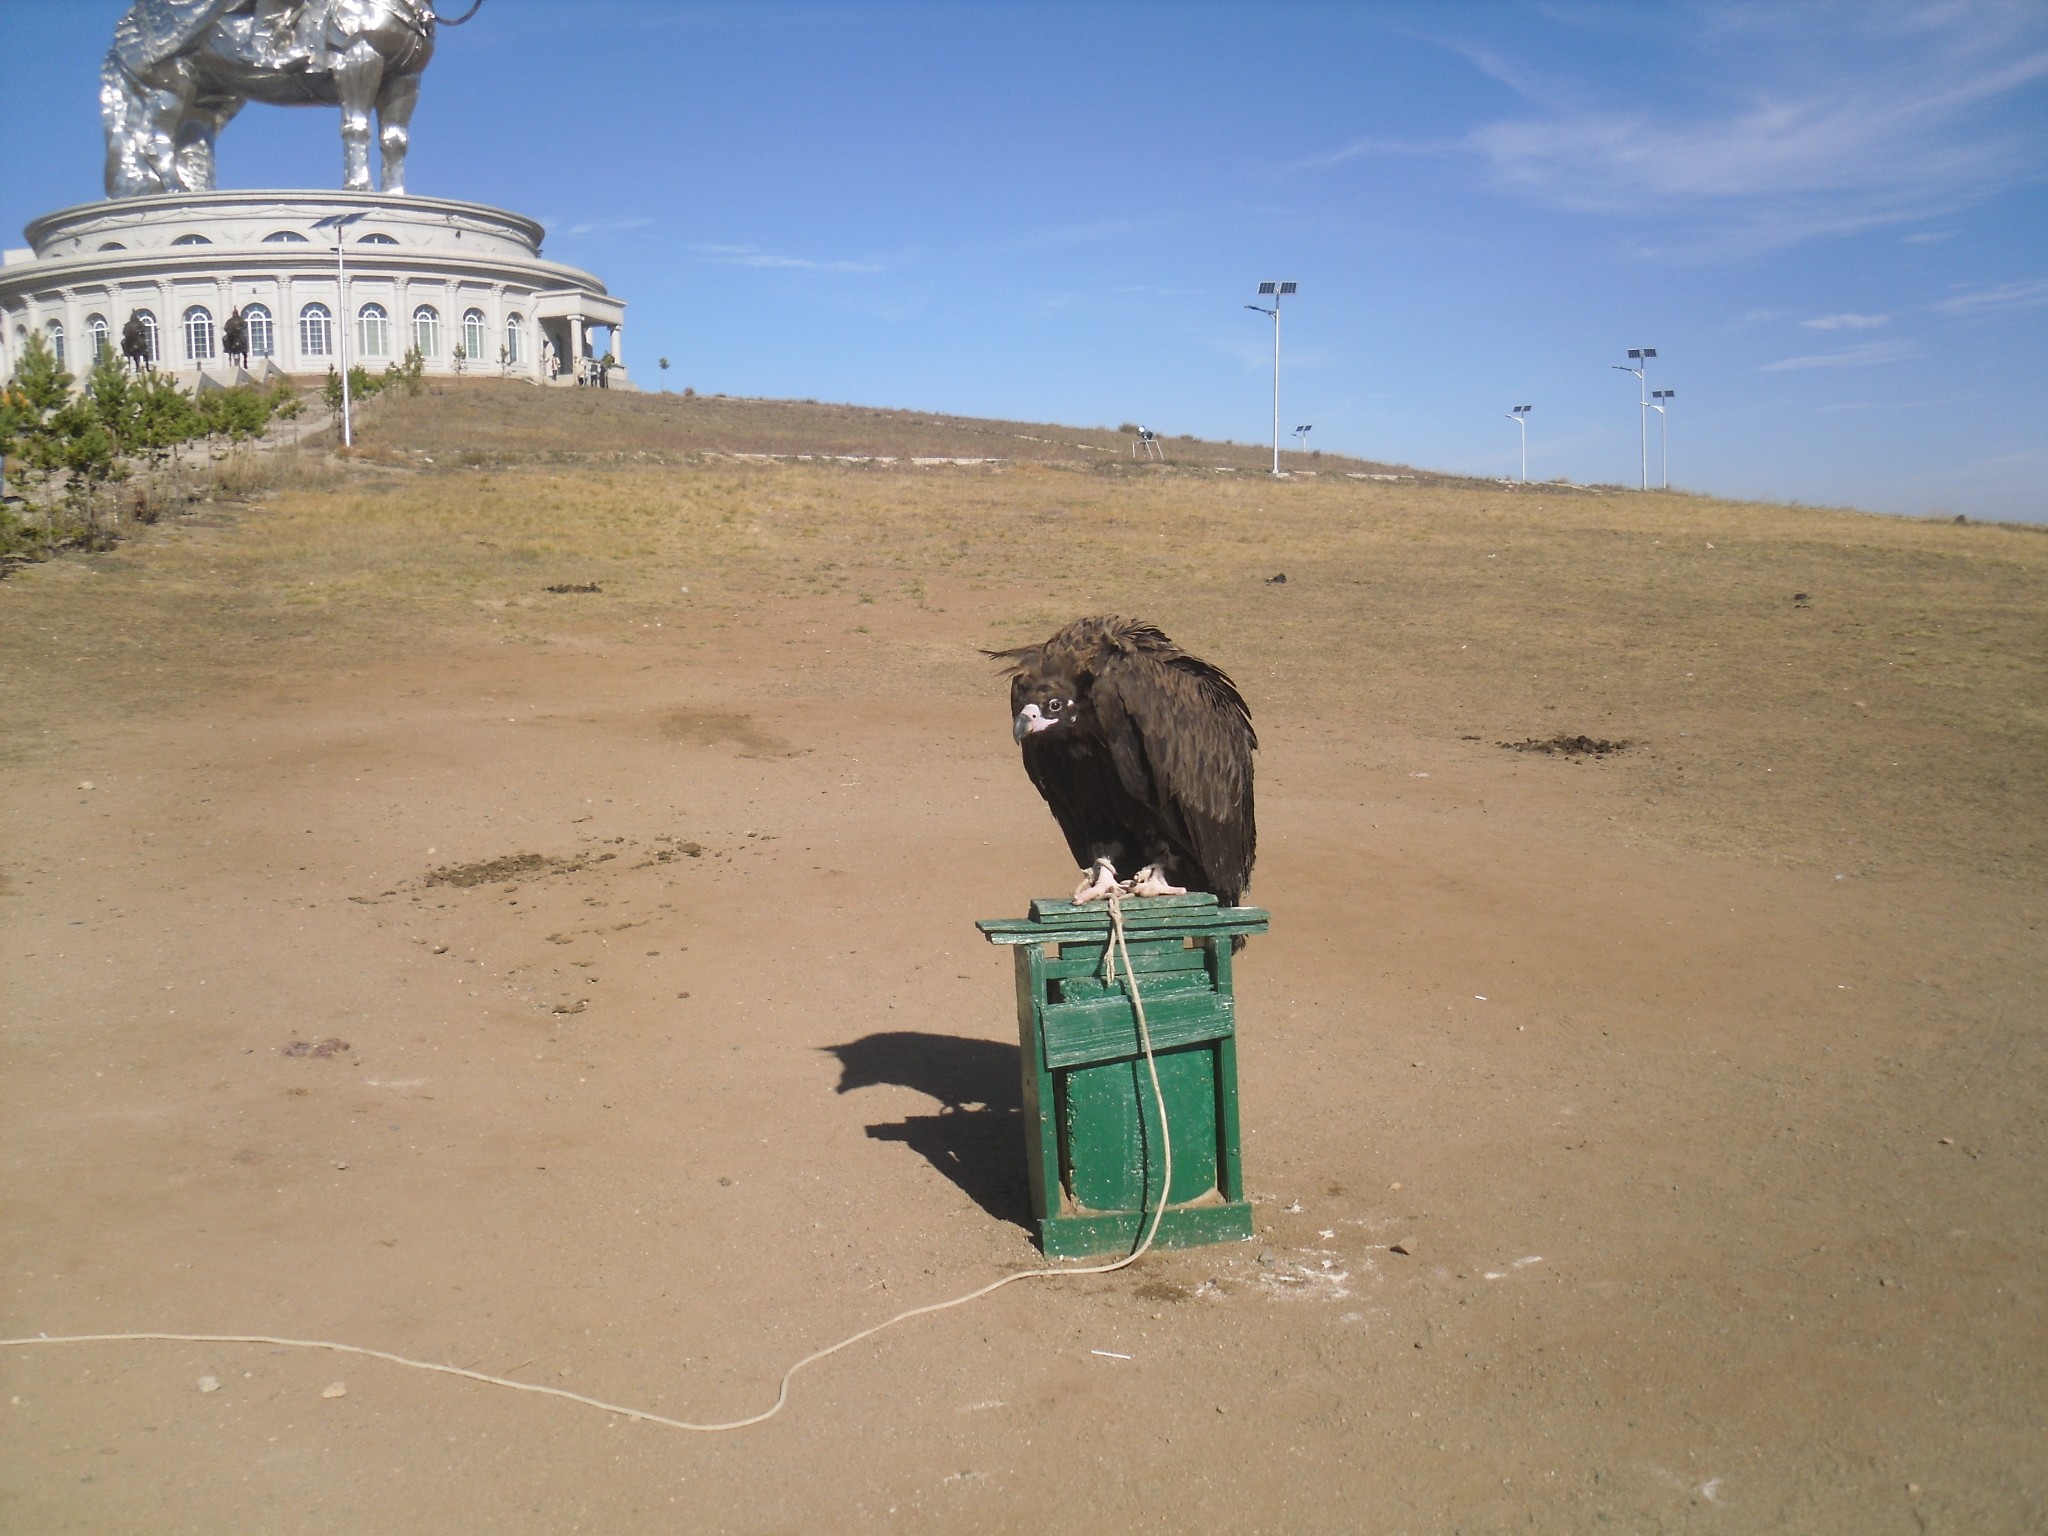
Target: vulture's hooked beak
[(1031, 718)]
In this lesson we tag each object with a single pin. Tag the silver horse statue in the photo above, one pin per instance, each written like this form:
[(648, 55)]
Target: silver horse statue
[(179, 69)]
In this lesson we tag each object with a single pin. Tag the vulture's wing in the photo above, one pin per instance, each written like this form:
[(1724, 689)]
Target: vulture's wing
[(1182, 740)]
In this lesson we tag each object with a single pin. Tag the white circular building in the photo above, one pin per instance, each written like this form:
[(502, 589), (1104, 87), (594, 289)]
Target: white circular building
[(462, 282)]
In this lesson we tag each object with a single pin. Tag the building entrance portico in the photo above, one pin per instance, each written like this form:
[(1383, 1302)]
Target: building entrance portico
[(570, 323)]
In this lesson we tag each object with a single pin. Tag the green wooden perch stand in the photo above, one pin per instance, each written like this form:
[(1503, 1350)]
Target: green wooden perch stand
[(1091, 1124)]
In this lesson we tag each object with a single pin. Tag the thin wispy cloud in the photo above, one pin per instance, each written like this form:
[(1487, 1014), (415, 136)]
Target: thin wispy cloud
[(1896, 132), (1928, 237), (606, 226), (1845, 322), (1869, 355), (1068, 236), (754, 256), (2021, 295), (1838, 407), (1377, 146), (1778, 172)]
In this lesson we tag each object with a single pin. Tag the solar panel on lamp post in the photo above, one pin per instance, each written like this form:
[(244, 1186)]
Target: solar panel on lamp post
[(1664, 430), (1275, 291), (1520, 416), (1301, 437), (1638, 365)]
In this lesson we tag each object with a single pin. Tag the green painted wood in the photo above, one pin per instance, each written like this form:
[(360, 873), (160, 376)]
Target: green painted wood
[(1146, 910), (1103, 1234), (1147, 955), (1018, 930), (1077, 1034), (1196, 913), (1151, 984), (1113, 1158), (1095, 1154), (1041, 1118), (1230, 1166)]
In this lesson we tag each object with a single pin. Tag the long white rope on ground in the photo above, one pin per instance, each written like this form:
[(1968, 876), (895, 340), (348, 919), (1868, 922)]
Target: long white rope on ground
[(1114, 949)]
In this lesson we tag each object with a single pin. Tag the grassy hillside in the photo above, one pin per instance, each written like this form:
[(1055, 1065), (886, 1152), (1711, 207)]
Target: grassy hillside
[(1830, 687), (484, 421)]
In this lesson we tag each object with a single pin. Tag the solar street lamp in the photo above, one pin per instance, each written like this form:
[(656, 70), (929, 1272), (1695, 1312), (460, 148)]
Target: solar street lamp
[(1638, 364), (1520, 416), (1664, 429), (1276, 291), (339, 222), (1301, 437)]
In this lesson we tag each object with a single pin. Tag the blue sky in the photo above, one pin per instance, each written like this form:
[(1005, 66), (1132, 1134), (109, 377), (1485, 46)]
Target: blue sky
[(1830, 220)]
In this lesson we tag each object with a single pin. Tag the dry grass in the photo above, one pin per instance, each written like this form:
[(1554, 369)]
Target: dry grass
[(1897, 716), (480, 422)]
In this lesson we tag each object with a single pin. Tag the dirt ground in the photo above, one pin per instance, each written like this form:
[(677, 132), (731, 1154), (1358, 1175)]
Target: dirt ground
[(583, 987)]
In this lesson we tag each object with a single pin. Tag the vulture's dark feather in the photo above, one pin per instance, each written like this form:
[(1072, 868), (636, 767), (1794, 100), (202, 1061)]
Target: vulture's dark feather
[(1143, 752)]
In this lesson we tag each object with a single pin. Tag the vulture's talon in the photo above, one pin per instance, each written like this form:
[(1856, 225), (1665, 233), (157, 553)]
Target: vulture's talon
[(1099, 883), (1150, 882)]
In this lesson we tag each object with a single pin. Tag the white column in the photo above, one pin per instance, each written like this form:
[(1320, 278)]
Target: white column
[(287, 324), (77, 345), (33, 322), (226, 295)]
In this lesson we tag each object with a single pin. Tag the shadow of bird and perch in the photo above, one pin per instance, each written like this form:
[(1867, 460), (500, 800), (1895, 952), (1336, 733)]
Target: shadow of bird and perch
[(976, 1139)]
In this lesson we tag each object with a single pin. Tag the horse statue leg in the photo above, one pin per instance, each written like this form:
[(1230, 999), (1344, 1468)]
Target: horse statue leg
[(394, 126), (120, 116), (164, 113), (196, 138), (143, 119), (358, 76)]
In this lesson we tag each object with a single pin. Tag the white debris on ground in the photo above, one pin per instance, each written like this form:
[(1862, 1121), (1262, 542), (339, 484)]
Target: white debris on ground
[(1308, 1274)]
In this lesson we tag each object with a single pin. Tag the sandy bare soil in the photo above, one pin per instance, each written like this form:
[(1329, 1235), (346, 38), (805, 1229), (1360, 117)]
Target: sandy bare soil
[(442, 965)]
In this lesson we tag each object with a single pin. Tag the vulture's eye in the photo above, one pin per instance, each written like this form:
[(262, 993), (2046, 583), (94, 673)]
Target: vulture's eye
[(1054, 706)]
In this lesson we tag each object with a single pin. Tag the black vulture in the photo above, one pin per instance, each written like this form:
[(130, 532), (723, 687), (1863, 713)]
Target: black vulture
[(1144, 754)]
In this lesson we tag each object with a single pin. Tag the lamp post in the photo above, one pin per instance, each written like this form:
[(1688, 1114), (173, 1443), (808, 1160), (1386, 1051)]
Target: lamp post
[(1664, 429), (1276, 291), (1520, 417), (1638, 364), (338, 223), (1301, 437)]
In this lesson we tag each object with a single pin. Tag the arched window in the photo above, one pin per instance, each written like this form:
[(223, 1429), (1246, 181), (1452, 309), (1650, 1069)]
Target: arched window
[(96, 332), (316, 331), (191, 240), (426, 330), (285, 237), (515, 336), (56, 331), (113, 245), (473, 335), (376, 240), (262, 330), (198, 334), (153, 349), (373, 331)]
